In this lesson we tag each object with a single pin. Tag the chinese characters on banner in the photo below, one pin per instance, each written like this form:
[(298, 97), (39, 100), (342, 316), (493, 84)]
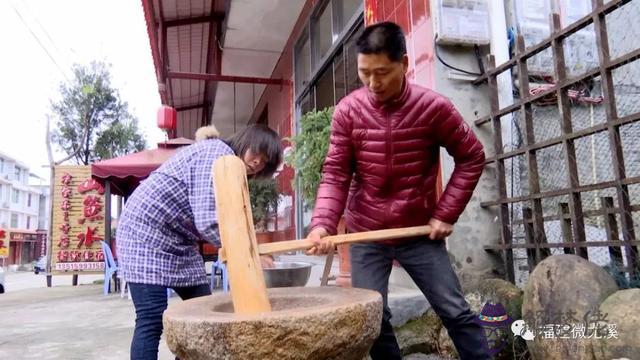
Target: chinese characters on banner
[(78, 221), (4, 244)]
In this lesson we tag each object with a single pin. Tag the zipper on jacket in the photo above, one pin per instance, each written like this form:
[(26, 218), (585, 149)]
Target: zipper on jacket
[(389, 160)]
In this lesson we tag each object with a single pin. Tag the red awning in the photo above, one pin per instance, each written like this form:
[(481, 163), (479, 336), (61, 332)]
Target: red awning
[(126, 172)]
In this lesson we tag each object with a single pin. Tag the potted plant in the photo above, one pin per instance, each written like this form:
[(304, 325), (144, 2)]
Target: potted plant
[(310, 148), (264, 197)]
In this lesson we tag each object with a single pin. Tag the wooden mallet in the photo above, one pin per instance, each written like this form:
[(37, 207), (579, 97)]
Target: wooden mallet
[(239, 245)]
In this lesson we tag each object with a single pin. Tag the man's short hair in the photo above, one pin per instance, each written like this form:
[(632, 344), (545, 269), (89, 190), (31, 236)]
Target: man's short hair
[(383, 38)]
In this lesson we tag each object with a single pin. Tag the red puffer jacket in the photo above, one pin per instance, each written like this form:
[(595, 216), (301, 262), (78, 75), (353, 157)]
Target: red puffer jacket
[(389, 154)]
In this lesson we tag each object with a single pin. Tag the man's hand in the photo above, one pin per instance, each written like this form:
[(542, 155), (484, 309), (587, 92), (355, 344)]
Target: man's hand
[(439, 229), (321, 245), (266, 261)]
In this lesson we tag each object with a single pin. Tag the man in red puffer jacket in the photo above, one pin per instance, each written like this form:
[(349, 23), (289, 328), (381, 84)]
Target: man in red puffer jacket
[(382, 164)]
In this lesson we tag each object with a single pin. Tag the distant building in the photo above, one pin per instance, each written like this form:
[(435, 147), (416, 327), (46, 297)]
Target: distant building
[(23, 212)]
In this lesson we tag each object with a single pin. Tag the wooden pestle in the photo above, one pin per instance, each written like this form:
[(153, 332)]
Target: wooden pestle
[(239, 246), (246, 279)]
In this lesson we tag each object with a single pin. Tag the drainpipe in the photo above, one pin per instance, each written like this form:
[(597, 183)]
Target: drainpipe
[(500, 50)]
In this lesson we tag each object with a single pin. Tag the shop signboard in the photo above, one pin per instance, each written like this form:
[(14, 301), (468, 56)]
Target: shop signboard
[(78, 221), (4, 244)]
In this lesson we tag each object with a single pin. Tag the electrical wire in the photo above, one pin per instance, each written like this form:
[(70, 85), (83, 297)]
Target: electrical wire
[(435, 48), (40, 42), (26, 4)]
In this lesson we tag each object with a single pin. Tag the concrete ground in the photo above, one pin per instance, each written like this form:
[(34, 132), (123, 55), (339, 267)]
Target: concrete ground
[(66, 322), (28, 280)]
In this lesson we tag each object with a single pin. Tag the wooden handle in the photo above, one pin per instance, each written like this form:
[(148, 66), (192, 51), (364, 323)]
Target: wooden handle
[(389, 234)]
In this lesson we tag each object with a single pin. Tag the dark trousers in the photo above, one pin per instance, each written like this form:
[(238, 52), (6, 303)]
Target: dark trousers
[(427, 262), (150, 302)]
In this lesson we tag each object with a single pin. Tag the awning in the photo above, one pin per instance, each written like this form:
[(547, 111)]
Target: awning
[(214, 59), (125, 172)]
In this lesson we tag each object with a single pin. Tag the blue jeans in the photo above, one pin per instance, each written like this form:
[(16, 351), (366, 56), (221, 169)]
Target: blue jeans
[(427, 262), (150, 302)]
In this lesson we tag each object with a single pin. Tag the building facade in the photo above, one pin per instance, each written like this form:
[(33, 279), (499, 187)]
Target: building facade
[(319, 60), (308, 61), (23, 215)]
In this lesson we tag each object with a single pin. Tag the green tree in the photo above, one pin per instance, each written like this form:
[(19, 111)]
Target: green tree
[(91, 121)]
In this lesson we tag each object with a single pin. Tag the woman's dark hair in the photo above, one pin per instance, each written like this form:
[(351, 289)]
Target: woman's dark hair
[(261, 140), (383, 38)]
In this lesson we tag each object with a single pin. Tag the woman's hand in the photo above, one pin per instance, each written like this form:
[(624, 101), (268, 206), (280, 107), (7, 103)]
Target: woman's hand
[(266, 261)]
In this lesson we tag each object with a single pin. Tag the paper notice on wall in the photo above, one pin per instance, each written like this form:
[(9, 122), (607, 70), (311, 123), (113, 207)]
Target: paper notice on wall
[(534, 9), (464, 25), (472, 24)]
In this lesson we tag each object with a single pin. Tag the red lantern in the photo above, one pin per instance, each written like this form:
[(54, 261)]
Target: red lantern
[(167, 118)]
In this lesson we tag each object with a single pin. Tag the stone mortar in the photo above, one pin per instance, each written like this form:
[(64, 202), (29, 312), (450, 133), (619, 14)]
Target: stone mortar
[(305, 323)]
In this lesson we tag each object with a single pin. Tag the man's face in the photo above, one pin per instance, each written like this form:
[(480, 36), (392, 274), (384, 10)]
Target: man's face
[(382, 76)]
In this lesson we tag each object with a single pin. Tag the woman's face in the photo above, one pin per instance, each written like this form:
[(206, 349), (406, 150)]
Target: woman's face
[(254, 162)]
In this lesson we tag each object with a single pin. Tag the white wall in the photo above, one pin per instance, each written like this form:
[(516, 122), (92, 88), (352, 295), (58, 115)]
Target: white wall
[(10, 183)]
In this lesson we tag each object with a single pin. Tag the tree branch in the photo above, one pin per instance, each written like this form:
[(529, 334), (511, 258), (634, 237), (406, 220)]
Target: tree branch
[(87, 151), (75, 152)]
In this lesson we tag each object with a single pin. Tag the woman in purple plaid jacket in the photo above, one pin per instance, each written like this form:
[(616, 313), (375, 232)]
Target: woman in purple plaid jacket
[(168, 213)]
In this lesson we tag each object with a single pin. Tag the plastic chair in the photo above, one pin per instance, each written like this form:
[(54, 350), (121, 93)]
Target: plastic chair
[(223, 271), (110, 266), (123, 286)]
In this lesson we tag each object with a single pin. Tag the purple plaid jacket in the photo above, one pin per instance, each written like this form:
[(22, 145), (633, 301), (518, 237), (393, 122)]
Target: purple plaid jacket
[(166, 215)]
